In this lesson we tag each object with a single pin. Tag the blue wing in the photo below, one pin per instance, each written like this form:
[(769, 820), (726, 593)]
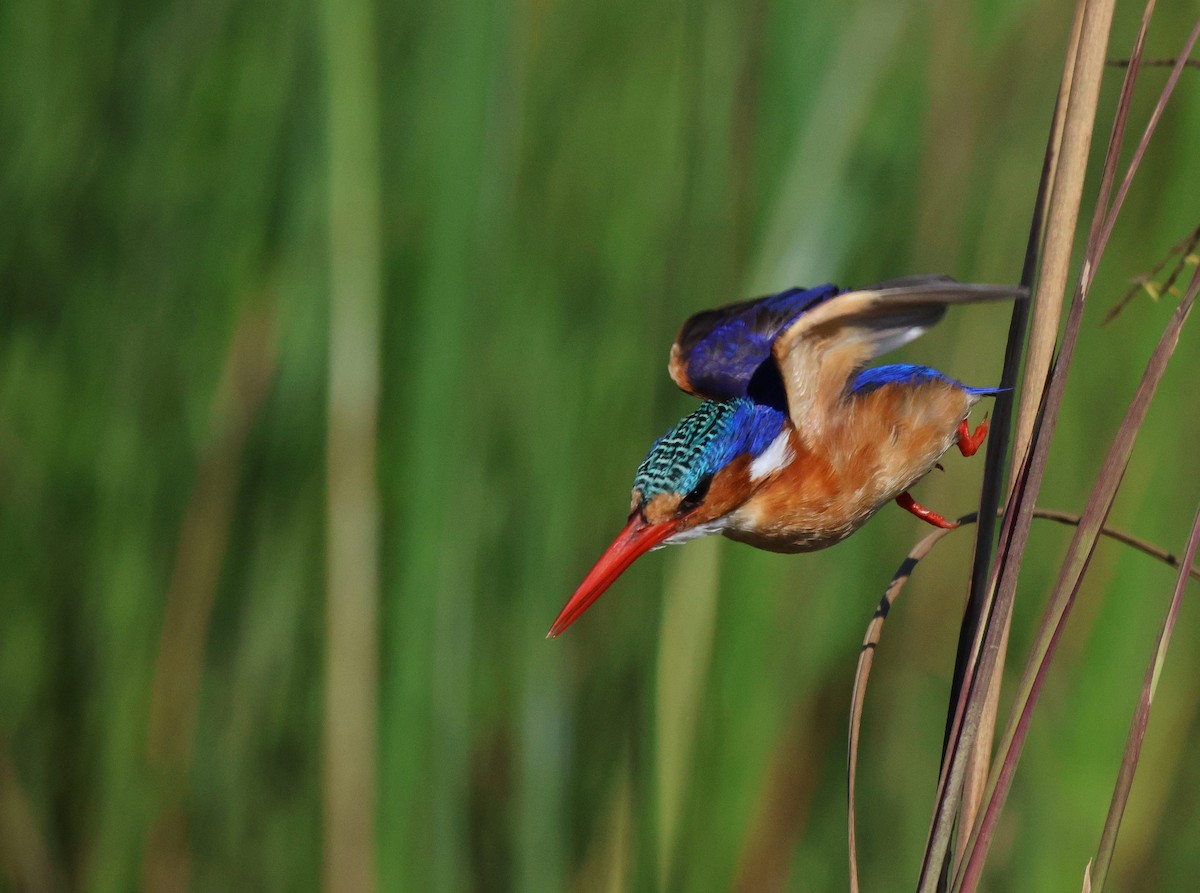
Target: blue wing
[(720, 354)]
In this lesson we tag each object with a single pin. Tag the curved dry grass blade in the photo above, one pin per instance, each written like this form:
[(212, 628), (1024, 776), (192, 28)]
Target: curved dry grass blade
[(1079, 554), (866, 658), (1141, 716)]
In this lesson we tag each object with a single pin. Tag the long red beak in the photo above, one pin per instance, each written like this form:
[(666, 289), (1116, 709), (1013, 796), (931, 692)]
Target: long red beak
[(636, 539)]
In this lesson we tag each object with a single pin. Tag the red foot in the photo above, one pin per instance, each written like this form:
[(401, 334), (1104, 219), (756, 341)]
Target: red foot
[(906, 502), (968, 443)]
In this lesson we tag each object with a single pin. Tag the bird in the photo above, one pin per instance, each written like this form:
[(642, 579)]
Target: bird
[(797, 443)]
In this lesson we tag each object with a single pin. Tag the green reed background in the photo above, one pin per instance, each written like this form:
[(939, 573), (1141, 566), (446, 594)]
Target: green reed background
[(561, 184)]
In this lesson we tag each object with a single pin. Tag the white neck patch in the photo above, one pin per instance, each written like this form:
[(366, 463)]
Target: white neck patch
[(708, 528), (776, 456)]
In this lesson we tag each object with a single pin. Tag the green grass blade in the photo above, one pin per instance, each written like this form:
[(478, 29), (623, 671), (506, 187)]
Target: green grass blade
[(352, 558), (684, 652)]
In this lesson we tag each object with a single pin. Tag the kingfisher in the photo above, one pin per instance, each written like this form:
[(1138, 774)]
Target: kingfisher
[(797, 443)]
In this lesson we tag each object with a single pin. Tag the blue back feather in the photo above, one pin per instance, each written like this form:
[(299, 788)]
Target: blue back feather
[(705, 442)]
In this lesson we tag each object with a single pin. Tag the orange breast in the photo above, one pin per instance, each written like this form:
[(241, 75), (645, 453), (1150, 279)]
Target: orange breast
[(884, 442)]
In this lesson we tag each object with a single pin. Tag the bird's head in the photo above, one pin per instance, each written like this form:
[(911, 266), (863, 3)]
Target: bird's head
[(695, 476)]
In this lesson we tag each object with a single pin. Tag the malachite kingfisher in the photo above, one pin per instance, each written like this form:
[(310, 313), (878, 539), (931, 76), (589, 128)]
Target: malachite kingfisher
[(797, 444)]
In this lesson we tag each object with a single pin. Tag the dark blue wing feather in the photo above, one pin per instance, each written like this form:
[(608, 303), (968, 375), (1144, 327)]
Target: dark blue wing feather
[(870, 379), (721, 353)]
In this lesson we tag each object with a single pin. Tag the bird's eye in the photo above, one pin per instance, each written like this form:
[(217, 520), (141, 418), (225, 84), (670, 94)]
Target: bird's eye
[(696, 496)]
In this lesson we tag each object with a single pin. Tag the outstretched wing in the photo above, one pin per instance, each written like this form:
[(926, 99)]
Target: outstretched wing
[(822, 350), (718, 352)]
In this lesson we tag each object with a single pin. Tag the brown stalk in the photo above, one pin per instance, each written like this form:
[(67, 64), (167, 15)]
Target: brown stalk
[(980, 597)]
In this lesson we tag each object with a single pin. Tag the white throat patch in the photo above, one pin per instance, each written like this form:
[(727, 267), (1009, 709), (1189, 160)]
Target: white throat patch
[(708, 528), (776, 456)]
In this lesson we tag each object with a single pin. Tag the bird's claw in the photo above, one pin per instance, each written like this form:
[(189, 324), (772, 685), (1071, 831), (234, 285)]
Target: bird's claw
[(906, 502)]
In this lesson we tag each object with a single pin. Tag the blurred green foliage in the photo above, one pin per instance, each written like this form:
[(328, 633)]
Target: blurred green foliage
[(562, 184)]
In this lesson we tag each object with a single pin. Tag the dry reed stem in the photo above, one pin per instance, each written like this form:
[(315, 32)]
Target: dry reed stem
[(866, 658), (1017, 525), (1063, 215), (995, 478), (980, 757)]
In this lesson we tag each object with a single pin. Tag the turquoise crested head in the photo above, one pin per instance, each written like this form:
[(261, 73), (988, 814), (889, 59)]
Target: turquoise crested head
[(684, 459)]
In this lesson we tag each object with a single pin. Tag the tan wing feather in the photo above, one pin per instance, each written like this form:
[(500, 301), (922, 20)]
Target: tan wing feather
[(820, 351)]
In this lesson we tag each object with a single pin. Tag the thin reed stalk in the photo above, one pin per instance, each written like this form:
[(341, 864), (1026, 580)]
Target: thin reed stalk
[(979, 597), (1063, 213)]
